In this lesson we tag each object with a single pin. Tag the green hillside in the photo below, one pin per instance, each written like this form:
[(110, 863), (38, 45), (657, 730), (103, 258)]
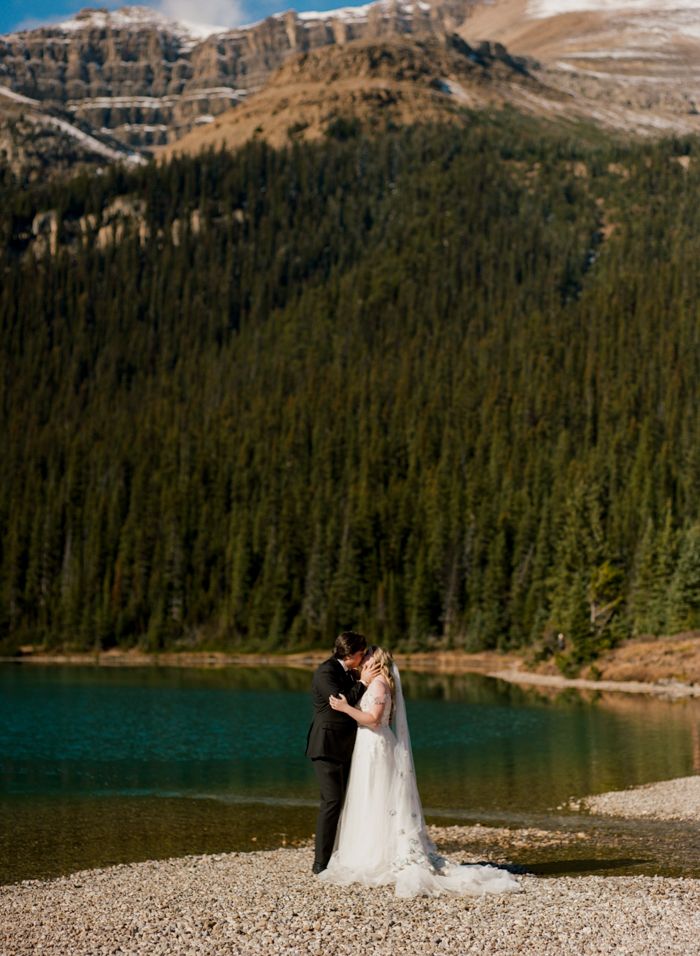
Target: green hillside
[(413, 385)]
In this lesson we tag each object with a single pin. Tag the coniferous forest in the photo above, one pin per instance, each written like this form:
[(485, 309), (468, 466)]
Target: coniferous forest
[(442, 385)]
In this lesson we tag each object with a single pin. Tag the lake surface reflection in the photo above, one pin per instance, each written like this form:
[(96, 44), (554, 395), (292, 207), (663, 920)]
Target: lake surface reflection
[(101, 765)]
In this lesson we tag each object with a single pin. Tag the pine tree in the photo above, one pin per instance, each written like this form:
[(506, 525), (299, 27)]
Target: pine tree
[(684, 597), (643, 593)]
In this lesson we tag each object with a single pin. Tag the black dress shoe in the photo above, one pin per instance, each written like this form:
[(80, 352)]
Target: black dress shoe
[(317, 868)]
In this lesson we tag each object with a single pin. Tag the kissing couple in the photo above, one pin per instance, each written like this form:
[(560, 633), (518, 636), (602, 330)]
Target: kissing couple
[(370, 826)]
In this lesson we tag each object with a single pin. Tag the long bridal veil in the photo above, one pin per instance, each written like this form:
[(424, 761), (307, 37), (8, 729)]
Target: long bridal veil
[(413, 843), (419, 869)]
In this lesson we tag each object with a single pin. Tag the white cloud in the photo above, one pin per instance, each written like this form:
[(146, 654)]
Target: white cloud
[(214, 13), (31, 23), (220, 13)]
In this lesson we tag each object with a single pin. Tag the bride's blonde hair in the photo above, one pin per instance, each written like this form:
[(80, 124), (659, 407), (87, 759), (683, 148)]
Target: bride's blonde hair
[(386, 663)]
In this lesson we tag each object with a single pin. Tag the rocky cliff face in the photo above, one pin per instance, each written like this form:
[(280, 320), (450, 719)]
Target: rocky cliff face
[(43, 140), (147, 79)]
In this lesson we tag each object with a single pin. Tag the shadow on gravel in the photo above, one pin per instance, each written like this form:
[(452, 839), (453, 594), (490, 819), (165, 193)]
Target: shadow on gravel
[(565, 867)]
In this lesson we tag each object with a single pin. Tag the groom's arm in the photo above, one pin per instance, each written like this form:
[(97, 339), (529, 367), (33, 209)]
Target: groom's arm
[(355, 693), (330, 682)]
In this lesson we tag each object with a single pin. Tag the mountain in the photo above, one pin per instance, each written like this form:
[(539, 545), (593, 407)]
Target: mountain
[(370, 85), (630, 64), (144, 80), (147, 79)]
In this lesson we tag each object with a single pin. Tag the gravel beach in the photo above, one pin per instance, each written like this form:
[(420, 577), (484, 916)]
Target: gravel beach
[(668, 800), (268, 902)]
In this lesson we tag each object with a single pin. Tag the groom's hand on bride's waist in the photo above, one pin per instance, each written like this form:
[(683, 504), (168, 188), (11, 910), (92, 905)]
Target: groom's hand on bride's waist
[(339, 703)]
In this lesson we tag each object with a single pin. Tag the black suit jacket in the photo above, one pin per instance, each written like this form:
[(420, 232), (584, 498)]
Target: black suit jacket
[(332, 733)]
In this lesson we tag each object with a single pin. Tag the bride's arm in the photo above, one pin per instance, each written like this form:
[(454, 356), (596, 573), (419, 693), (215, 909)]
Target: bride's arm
[(367, 718)]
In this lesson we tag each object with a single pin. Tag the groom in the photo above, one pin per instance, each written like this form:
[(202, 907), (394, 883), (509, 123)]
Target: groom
[(332, 734)]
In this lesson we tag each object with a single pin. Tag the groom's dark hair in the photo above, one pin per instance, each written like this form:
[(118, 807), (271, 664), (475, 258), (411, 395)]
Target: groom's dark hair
[(348, 643)]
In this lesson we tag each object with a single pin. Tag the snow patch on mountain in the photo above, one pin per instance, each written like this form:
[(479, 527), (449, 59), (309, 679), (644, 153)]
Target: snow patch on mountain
[(343, 13), (552, 8), (637, 23), (38, 116), (135, 17)]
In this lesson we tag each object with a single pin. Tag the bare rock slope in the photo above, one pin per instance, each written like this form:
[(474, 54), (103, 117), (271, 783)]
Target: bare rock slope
[(632, 65), (368, 85)]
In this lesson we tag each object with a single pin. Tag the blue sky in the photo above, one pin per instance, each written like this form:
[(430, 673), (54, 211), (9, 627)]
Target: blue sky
[(17, 14)]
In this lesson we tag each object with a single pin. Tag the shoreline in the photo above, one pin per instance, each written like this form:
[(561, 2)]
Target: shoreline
[(435, 661), (268, 903), (666, 688), (672, 684)]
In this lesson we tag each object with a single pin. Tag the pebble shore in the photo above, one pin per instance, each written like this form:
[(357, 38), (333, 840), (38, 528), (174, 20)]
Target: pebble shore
[(668, 800), (268, 902)]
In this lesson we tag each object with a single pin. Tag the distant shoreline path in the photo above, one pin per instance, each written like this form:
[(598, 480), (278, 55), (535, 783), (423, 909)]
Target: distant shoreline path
[(669, 680), (666, 688)]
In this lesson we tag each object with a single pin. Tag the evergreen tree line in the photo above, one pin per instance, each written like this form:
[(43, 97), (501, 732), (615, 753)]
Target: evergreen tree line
[(413, 385)]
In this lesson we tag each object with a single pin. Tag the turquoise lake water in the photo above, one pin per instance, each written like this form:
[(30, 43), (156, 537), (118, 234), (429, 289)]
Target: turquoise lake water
[(101, 765)]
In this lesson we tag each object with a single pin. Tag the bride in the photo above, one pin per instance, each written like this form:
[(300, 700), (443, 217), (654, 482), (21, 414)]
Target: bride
[(382, 836)]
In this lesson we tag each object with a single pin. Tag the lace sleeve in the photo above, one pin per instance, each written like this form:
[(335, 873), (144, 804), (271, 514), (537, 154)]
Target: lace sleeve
[(381, 696)]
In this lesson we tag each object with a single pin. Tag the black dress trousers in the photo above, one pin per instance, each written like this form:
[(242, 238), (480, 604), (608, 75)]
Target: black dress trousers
[(332, 776)]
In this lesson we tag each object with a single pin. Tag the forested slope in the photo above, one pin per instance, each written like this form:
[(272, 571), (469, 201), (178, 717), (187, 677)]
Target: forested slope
[(413, 385)]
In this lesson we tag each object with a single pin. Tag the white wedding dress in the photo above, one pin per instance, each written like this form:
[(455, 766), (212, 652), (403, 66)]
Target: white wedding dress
[(382, 837)]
